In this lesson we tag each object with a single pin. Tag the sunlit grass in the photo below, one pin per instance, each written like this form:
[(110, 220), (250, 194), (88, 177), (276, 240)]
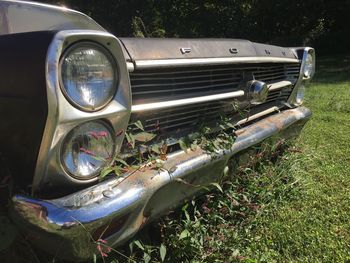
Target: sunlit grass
[(295, 209)]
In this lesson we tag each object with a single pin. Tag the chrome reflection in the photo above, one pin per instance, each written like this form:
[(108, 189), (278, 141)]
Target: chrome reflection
[(142, 195)]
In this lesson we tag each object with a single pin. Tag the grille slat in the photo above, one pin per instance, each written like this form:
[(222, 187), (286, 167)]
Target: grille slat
[(181, 89), (182, 83), (157, 85), (179, 121), (181, 113), (153, 85)]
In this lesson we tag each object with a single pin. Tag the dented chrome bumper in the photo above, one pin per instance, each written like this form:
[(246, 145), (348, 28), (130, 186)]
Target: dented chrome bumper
[(117, 208)]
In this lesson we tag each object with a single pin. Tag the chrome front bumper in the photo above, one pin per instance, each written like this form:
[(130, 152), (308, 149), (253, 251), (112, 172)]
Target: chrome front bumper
[(117, 208)]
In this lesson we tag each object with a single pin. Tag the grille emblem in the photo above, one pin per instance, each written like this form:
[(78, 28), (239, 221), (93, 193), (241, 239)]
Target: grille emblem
[(185, 50)]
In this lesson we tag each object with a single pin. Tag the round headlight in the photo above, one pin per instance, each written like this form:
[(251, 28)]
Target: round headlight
[(88, 76), (308, 66), (299, 98), (87, 149)]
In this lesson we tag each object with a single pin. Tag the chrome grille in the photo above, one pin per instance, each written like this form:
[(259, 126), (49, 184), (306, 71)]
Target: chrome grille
[(178, 118), (159, 85), (176, 121), (155, 85)]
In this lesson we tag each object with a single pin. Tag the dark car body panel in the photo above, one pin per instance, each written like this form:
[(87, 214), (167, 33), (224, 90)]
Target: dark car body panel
[(23, 100)]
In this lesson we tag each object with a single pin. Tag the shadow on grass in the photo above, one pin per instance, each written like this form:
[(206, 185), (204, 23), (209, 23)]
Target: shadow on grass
[(332, 69)]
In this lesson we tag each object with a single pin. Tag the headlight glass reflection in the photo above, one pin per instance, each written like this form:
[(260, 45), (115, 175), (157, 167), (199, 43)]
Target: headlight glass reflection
[(88, 76), (299, 99), (308, 66), (87, 149)]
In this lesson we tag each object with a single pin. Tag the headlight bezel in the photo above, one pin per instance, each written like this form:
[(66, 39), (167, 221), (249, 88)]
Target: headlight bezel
[(116, 75), (62, 116), (302, 53)]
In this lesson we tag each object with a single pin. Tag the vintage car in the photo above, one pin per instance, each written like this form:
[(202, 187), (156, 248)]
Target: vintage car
[(76, 100)]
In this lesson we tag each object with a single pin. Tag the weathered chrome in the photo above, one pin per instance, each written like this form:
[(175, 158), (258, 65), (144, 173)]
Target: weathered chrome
[(182, 102), (63, 116), (301, 79), (185, 50), (155, 85), (128, 202), (279, 85), (233, 50), (159, 63), (130, 66), (258, 115), (257, 91)]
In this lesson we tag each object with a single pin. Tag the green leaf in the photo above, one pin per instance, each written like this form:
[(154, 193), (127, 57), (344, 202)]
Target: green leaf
[(105, 172), (130, 138), (117, 170), (184, 234), (139, 125), (231, 125), (131, 247), (98, 158), (184, 207), (162, 252), (217, 186), (155, 148), (121, 161), (94, 258), (183, 145), (138, 243), (144, 136), (146, 257)]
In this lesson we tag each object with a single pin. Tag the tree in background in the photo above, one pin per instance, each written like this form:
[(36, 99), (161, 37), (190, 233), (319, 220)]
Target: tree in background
[(320, 23)]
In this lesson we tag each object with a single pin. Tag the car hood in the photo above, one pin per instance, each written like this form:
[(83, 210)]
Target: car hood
[(177, 48)]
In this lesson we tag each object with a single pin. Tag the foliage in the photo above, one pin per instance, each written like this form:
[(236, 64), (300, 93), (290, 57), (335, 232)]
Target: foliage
[(319, 23)]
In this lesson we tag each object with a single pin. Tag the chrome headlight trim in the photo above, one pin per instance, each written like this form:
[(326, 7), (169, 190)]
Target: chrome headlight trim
[(63, 116), (301, 79), (109, 57), (299, 96)]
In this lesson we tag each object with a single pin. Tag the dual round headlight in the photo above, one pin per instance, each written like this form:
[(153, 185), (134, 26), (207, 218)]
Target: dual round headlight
[(87, 149), (89, 81), (89, 76)]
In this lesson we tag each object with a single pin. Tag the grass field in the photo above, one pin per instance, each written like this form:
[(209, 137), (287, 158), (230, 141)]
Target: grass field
[(293, 209)]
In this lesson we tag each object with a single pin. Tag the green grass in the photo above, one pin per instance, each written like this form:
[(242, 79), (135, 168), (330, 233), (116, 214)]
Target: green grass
[(294, 208)]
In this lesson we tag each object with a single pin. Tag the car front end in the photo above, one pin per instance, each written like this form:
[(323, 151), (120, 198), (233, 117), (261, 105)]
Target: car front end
[(91, 88)]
